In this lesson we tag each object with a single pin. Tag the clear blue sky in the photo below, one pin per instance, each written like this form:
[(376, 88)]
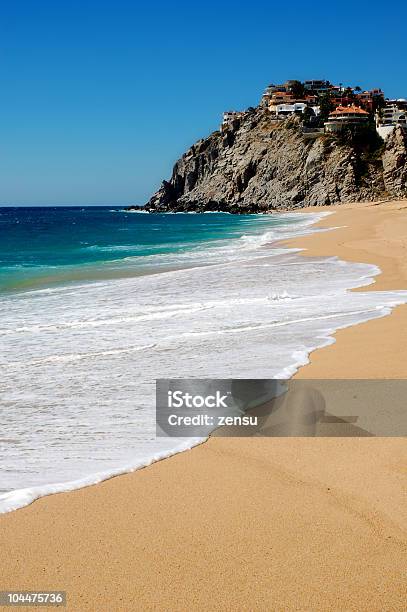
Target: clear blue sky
[(98, 99)]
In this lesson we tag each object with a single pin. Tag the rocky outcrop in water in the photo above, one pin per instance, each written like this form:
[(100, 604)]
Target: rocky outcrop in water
[(255, 165)]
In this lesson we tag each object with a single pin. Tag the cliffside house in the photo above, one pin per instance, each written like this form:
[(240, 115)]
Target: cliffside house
[(347, 117), (311, 99), (341, 100), (370, 100), (280, 96), (285, 110), (273, 90), (229, 117), (281, 104), (316, 86), (390, 116), (297, 107), (401, 103)]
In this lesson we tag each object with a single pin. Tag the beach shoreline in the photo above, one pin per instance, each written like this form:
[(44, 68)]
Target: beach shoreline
[(248, 523), (385, 249)]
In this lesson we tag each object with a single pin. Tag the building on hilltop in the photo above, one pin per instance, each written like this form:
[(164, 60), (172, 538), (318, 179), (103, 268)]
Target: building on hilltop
[(370, 100), (347, 117), (229, 117), (270, 91), (401, 103), (281, 103), (317, 86), (296, 107), (272, 88), (311, 99), (341, 100), (291, 87), (277, 98), (281, 97), (285, 110), (390, 116), (315, 100)]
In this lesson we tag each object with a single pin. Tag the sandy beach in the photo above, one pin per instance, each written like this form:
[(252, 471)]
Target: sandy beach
[(248, 523)]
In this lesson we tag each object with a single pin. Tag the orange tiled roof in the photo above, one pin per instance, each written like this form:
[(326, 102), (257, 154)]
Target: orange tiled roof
[(351, 110)]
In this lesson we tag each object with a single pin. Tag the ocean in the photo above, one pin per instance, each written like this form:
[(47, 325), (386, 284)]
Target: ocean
[(96, 303)]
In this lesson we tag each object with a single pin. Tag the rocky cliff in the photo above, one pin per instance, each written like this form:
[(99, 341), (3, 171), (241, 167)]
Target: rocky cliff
[(255, 165)]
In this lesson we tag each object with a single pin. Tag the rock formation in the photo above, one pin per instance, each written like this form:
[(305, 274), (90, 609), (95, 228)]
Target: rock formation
[(256, 165)]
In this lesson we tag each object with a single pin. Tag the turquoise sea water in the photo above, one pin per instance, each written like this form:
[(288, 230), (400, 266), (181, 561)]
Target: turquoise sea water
[(44, 246)]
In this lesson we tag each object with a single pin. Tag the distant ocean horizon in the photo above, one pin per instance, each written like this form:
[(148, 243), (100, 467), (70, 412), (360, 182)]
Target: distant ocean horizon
[(97, 302)]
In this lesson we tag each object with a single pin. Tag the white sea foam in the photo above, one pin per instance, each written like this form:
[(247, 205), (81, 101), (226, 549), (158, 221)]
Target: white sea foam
[(22, 497), (79, 365)]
